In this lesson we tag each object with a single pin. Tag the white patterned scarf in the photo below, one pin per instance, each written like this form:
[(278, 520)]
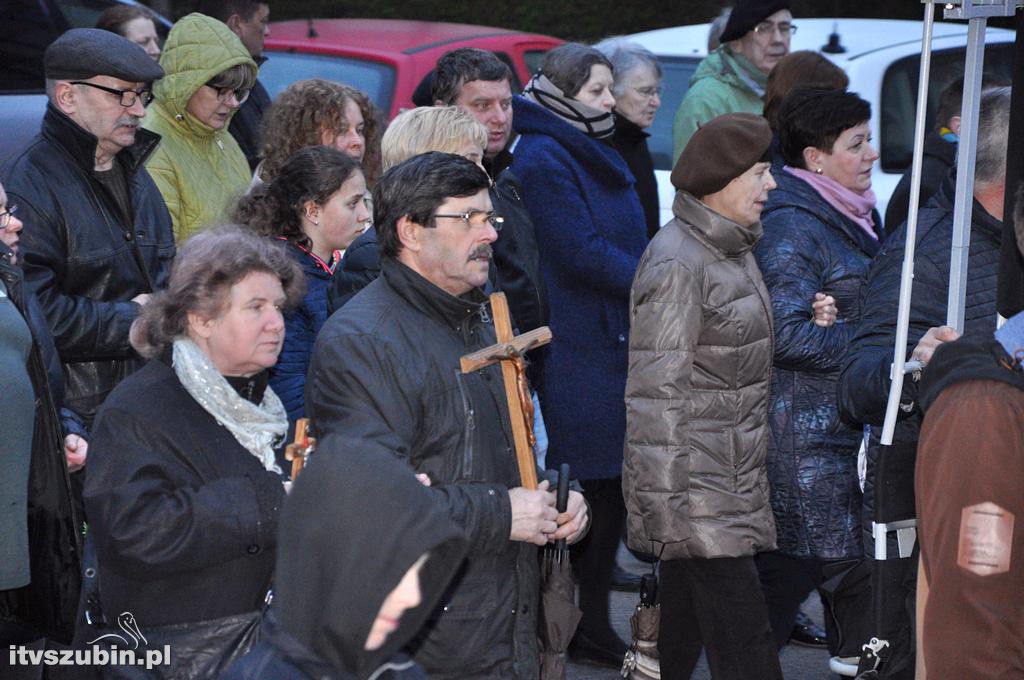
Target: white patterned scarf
[(257, 427)]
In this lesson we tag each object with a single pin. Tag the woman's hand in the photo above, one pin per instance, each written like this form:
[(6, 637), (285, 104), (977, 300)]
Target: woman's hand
[(824, 310)]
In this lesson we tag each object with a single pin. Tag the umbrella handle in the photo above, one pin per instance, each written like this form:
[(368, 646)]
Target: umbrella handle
[(562, 498)]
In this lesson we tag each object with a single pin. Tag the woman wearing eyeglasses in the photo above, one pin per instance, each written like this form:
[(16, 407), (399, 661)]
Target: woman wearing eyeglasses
[(199, 167), (637, 92)]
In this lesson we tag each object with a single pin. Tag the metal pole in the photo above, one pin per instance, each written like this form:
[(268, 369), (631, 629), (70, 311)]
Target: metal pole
[(966, 153), (907, 277)]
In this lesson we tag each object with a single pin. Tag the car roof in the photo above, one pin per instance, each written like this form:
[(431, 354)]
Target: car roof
[(860, 37), (377, 35)]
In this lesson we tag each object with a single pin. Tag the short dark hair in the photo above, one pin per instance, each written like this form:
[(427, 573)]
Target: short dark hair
[(458, 67), (275, 209), (114, 18), (224, 9), (416, 187), (816, 116), (568, 66), (952, 96)]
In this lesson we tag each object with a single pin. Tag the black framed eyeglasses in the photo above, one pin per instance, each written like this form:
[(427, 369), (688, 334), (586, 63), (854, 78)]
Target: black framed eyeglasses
[(5, 216), (128, 97), (224, 94), (476, 218)]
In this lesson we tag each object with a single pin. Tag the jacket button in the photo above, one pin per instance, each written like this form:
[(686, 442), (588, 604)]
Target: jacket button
[(141, 234), (622, 338), (253, 549), (128, 236)]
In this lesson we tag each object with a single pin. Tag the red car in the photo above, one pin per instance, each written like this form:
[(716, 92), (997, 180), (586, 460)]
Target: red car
[(387, 58)]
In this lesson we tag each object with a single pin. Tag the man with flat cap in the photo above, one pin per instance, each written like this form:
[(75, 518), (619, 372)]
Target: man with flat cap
[(97, 239), (700, 356), (733, 77)]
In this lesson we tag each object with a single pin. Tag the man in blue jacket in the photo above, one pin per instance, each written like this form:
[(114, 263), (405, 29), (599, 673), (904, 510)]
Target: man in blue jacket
[(864, 381)]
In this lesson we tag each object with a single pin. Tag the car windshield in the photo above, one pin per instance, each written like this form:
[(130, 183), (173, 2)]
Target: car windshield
[(284, 68)]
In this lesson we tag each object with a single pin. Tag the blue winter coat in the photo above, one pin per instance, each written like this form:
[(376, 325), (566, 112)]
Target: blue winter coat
[(301, 326), (591, 233), (810, 247)]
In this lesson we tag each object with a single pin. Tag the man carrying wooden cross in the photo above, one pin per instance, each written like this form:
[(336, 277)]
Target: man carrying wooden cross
[(386, 369)]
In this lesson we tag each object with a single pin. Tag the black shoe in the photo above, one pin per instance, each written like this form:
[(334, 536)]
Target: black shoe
[(624, 581), (608, 651), (807, 634)]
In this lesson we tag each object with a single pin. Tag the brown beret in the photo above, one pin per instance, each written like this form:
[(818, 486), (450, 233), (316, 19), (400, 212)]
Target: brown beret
[(82, 53), (720, 151)]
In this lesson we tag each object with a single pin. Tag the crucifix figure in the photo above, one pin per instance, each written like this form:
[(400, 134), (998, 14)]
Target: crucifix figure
[(509, 351)]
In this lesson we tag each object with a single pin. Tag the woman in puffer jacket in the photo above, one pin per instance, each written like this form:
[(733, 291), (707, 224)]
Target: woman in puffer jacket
[(821, 232), (700, 358), (199, 167)]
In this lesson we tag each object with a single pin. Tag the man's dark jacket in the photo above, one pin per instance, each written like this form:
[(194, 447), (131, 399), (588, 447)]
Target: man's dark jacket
[(83, 258), (49, 602), (631, 142), (245, 124), (939, 159), (386, 369), (864, 382)]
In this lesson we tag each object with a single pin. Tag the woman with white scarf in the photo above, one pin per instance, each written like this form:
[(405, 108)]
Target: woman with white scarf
[(184, 491)]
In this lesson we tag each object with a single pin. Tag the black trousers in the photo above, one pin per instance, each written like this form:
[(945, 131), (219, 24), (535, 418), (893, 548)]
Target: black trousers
[(787, 581), (594, 556), (717, 605)]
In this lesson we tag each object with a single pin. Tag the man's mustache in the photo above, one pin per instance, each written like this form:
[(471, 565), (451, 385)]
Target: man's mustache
[(480, 252)]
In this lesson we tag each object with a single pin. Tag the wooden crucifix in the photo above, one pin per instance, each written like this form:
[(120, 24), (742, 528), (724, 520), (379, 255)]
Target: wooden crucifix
[(509, 351), (299, 451)]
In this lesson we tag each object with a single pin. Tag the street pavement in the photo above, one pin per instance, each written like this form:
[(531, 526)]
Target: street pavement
[(798, 663)]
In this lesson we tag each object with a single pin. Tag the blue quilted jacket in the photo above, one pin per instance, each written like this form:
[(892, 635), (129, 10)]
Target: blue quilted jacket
[(809, 247), (301, 326), (591, 232)]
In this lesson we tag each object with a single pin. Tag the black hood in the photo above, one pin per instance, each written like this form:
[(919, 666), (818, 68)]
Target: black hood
[(354, 523)]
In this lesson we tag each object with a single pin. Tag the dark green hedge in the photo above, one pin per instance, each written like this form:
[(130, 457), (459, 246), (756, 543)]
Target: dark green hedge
[(569, 19)]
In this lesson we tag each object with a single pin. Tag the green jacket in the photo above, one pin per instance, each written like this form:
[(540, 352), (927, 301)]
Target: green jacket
[(725, 82), (200, 171)]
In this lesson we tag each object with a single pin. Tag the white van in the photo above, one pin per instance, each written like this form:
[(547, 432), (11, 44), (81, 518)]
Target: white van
[(881, 58)]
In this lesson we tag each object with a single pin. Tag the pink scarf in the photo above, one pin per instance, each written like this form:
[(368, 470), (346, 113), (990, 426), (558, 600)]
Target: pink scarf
[(856, 206)]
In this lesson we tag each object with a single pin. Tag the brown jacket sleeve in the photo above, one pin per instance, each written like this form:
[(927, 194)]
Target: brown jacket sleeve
[(970, 502)]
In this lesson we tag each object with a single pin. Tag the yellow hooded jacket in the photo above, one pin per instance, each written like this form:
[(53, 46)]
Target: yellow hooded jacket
[(200, 171)]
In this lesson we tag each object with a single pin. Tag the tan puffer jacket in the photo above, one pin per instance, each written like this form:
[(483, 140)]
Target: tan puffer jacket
[(700, 357)]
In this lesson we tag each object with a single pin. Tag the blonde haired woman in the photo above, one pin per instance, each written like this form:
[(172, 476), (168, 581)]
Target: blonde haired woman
[(428, 128)]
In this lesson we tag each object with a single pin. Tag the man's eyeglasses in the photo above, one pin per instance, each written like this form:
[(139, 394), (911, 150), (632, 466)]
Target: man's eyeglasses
[(476, 218), (128, 97), (5, 216), (768, 27), (224, 94)]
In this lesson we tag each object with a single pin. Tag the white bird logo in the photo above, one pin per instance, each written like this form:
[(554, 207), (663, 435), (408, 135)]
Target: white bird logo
[(127, 623)]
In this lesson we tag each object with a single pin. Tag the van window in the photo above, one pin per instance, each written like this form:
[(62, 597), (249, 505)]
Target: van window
[(899, 97), (675, 81)]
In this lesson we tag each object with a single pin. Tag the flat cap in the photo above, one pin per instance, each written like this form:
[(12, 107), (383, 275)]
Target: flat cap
[(86, 52), (720, 151), (749, 13)]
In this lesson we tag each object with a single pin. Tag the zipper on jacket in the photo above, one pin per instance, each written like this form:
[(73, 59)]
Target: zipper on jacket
[(467, 430), (485, 316)]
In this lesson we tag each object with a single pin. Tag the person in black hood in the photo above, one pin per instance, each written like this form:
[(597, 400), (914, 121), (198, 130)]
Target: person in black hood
[(353, 586)]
